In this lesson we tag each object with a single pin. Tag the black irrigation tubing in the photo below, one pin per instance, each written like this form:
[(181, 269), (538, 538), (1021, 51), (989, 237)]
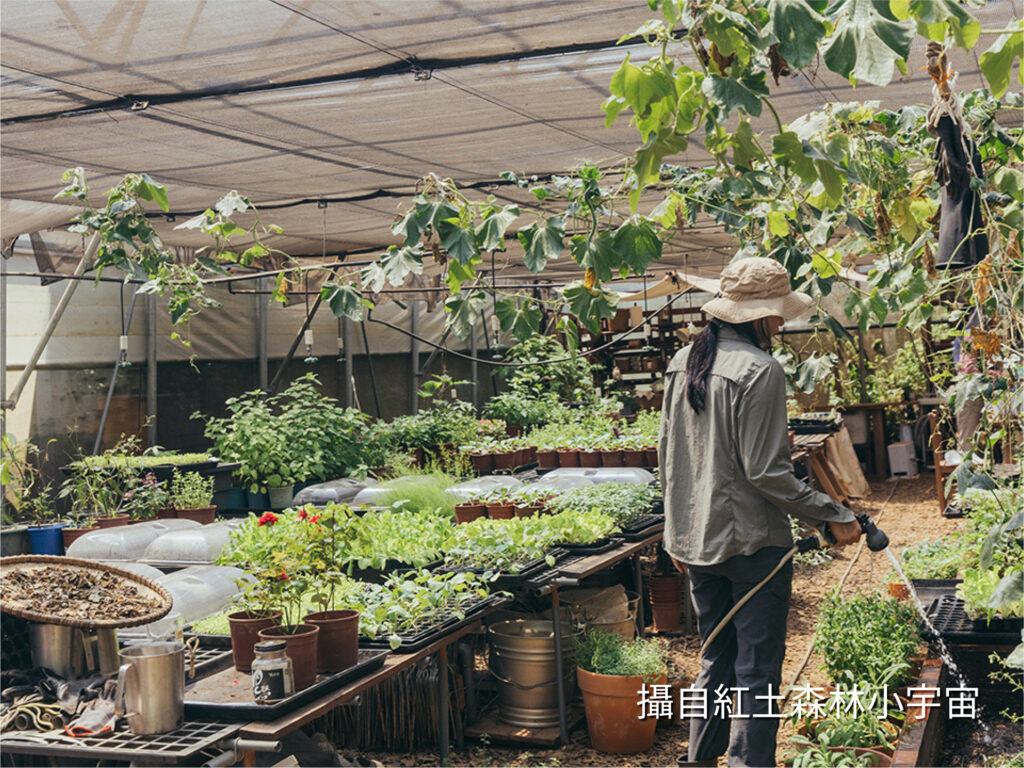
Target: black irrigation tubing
[(501, 364), (369, 363)]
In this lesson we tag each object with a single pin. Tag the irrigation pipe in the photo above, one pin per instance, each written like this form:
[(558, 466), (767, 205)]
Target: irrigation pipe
[(849, 568)]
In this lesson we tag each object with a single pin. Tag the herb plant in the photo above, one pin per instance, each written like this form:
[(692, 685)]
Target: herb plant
[(866, 638), (146, 496), (498, 546), (818, 755), (607, 653), (623, 503), (191, 490)]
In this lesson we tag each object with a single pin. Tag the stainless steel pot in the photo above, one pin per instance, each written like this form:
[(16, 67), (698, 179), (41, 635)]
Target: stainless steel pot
[(74, 653)]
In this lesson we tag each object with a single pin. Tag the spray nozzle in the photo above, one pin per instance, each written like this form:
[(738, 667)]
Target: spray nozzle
[(874, 536)]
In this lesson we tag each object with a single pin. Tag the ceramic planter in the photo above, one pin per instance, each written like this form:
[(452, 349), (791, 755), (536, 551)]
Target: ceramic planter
[(568, 457), (245, 630), (281, 496), (547, 459), (202, 515), (113, 521), (633, 458), (468, 512), (482, 462), (590, 458), (70, 534), (501, 511), (301, 647), (611, 458), (47, 539), (611, 702), (338, 640)]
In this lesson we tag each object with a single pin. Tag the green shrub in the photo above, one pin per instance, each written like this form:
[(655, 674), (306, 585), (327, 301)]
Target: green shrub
[(427, 492), (610, 654), (866, 638), (939, 559), (191, 490)]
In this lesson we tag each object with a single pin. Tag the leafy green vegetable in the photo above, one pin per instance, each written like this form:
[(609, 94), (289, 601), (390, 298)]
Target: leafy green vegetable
[(610, 654)]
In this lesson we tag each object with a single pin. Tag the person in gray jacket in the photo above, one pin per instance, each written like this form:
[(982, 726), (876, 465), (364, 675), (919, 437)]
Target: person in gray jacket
[(729, 488)]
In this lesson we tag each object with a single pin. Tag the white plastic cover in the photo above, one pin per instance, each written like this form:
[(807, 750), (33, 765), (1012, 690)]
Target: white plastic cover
[(480, 485), (338, 491), (193, 546), (198, 592), (605, 474), (125, 542), (562, 482)]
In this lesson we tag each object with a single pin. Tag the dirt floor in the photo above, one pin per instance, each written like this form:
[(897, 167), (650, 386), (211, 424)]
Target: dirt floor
[(906, 511)]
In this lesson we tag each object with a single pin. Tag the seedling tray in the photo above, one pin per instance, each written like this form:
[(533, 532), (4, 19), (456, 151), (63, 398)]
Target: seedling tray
[(512, 581), (643, 527), (230, 697), (594, 548), (419, 640), (953, 624), (391, 567)]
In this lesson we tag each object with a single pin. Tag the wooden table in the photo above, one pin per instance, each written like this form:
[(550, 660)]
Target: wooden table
[(395, 663)]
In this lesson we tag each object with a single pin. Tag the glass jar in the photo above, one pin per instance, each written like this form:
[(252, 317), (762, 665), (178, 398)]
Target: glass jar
[(272, 676)]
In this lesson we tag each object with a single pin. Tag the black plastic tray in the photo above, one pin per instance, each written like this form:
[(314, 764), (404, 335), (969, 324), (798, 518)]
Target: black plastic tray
[(643, 527), (391, 567), (952, 510), (953, 624), (370, 660), (594, 548), (530, 570), (420, 640)]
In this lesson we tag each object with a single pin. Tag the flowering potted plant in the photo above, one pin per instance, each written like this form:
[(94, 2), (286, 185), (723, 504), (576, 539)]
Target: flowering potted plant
[(145, 497), (192, 496)]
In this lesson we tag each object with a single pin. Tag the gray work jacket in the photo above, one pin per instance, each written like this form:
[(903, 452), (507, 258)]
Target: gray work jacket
[(726, 472)]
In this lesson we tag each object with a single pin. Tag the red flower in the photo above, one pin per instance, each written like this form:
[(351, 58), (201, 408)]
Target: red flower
[(268, 518), (315, 519), (303, 514), (282, 576)]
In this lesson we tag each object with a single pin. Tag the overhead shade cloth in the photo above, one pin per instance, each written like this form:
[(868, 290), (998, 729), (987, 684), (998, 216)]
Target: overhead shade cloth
[(20, 217)]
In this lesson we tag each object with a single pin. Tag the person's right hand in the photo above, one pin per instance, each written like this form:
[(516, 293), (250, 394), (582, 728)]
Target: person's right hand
[(845, 533)]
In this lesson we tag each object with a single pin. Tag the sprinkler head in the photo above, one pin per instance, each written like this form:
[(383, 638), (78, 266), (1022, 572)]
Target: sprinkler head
[(875, 537)]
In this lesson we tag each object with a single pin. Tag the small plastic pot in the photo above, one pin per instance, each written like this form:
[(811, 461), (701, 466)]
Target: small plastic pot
[(590, 458), (568, 457), (301, 647), (245, 630), (281, 496), (47, 539), (501, 511), (466, 513), (547, 459), (611, 458), (482, 462), (202, 515), (338, 640)]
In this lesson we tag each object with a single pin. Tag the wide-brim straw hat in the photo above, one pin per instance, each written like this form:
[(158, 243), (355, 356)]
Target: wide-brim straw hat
[(754, 288)]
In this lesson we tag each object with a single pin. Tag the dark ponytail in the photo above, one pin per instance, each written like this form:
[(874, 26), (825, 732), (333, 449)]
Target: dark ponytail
[(702, 357), (699, 364)]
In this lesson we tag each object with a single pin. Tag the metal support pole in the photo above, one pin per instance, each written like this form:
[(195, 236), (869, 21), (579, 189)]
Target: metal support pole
[(414, 352), (295, 344), (51, 325), (474, 367), (556, 626), (151, 370), (261, 336), (113, 377), (369, 365), (346, 341), (638, 578), (442, 708)]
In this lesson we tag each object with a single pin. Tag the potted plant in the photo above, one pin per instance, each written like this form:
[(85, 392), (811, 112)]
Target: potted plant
[(632, 453), (338, 636), (79, 523), (469, 510), (500, 505), (568, 455), (145, 497), (610, 671), (546, 455), (287, 581), (192, 497), (611, 455), (590, 455), (255, 612)]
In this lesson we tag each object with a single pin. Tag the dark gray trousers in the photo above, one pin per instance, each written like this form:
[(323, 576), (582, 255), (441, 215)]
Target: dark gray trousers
[(747, 654)]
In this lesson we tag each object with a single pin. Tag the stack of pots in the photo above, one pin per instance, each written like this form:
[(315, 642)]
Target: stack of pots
[(666, 592)]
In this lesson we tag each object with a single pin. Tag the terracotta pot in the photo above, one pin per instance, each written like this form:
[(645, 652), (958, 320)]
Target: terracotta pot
[(501, 511), (70, 534), (465, 513), (547, 459), (504, 461), (878, 757), (112, 522), (201, 515), (482, 462), (245, 630), (568, 457), (530, 453), (590, 458), (338, 640), (611, 702), (899, 590), (611, 458), (666, 601), (633, 458), (651, 457), (528, 510), (301, 647), (166, 513)]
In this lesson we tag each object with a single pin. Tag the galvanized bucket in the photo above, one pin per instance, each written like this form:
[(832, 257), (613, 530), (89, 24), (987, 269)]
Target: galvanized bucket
[(522, 658)]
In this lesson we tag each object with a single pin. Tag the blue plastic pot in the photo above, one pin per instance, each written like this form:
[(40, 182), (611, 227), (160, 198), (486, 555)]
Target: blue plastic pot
[(47, 539), (257, 502), (235, 498)]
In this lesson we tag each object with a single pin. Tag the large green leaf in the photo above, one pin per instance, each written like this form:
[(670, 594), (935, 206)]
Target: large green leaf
[(590, 305), (541, 244), (648, 157), (458, 240), (736, 94), (520, 318), (868, 41), (637, 244), (463, 312), (345, 300), (647, 90), (798, 28), (1009, 590), (597, 253), (936, 17), (490, 234), (393, 267), (997, 61), (789, 151)]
